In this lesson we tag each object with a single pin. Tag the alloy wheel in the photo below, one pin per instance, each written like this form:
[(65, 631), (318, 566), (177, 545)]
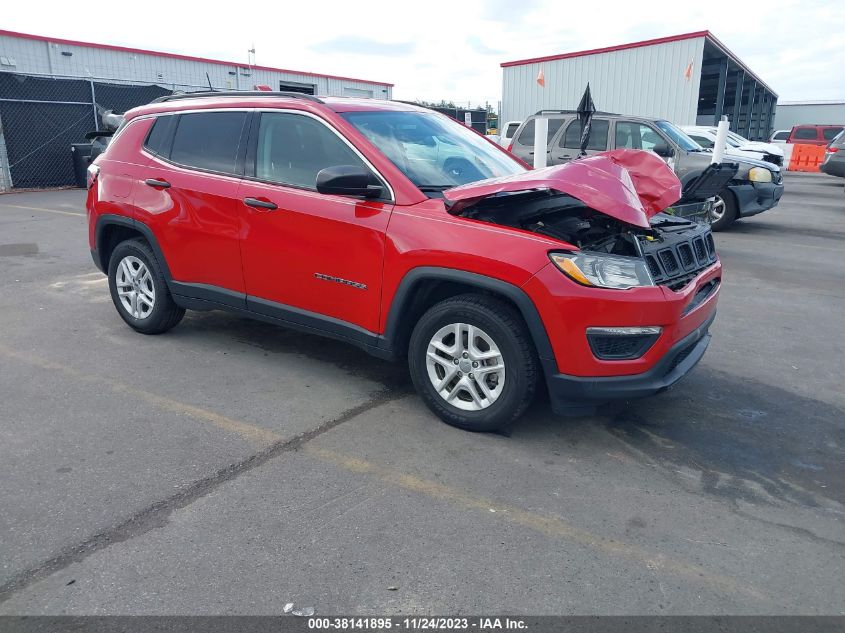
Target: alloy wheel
[(135, 287), (717, 210), (465, 366)]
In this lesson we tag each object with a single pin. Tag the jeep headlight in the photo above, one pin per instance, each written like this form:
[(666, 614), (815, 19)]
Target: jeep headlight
[(602, 270), (759, 174)]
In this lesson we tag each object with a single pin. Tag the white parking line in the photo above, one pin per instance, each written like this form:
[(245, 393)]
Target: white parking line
[(20, 206)]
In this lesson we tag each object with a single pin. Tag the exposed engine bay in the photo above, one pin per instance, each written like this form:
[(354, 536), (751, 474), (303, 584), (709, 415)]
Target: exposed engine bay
[(675, 249)]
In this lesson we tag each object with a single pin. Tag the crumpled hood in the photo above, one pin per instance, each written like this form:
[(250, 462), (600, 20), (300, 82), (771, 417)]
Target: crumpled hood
[(629, 185)]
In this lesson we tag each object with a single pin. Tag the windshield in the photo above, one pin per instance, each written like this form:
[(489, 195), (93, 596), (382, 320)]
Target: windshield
[(433, 151), (678, 136)]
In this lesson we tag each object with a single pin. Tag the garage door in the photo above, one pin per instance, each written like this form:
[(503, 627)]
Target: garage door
[(357, 92)]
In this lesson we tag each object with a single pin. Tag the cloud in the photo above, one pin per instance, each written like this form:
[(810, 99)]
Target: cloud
[(447, 51), (353, 45), (475, 43), (508, 11)]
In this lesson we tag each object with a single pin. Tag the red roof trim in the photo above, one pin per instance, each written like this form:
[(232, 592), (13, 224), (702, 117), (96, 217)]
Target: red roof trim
[(190, 58), (610, 49)]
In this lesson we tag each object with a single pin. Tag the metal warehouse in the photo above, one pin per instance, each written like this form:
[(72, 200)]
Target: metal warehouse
[(687, 79), (53, 92), (792, 113)]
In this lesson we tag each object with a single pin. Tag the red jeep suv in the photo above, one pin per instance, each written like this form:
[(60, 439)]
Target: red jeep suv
[(403, 232)]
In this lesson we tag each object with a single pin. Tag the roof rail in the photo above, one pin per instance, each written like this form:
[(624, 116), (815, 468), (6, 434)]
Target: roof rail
[(237, 93), (575, 112)]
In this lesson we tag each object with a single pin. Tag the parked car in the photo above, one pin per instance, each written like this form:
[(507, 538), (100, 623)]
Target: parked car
[(736, 145), (814, 134), (757, 186), (506, 133), (493, 280), (834, 157), (779, 137)]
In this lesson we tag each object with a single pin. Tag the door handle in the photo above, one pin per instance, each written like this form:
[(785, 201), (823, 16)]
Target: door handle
[(260, 204), (155, 182)]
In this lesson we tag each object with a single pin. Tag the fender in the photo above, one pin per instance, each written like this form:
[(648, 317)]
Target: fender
[(425, 273), (108, 219)]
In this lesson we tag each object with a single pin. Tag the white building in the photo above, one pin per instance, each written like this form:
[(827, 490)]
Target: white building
[(687, 79), (36, 54)]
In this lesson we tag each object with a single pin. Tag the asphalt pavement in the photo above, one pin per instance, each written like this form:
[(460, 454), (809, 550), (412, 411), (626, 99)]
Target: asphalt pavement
[(231, 467)]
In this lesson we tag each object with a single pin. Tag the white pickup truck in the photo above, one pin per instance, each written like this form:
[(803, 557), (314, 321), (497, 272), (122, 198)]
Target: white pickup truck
[(508, 130)]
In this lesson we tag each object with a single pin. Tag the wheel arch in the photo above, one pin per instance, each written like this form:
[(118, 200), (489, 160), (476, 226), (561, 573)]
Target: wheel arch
[(727, 192), (111, 230), (422, 287)]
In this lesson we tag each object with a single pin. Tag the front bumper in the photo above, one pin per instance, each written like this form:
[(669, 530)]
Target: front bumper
[(577, 380), (576, 394), (755, 197)]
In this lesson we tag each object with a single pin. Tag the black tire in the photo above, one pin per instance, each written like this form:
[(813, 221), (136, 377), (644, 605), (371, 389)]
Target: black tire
[(165, 314), (504, 325), (730, 214)]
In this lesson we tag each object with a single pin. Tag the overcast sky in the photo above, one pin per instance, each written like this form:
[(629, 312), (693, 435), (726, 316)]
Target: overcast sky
[(451, 50)]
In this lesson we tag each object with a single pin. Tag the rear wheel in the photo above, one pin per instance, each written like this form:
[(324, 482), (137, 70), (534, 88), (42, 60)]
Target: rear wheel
[(473, 363), (723, 213), (139, 290)]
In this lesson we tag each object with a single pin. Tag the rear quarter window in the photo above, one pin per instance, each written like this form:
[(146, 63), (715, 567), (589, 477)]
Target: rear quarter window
[(830, 133), (160, 136), (208, 140)]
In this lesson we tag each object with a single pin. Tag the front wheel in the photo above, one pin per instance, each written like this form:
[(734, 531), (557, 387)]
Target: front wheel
[(723, 213), (473, 363)]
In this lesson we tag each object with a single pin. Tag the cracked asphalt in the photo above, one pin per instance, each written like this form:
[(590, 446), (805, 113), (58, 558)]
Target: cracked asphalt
[(230, 467)]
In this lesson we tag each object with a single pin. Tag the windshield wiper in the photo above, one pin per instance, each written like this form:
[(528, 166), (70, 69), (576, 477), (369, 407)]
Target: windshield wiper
[(434, 188)]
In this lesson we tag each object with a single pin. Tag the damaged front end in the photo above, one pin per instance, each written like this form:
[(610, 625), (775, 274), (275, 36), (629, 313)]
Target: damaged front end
[(606, 211)]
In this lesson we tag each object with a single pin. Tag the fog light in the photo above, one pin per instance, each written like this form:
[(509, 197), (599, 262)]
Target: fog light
[(622, 343)]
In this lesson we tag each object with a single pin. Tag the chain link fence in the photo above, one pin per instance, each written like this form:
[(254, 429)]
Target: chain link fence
[(42, 117)]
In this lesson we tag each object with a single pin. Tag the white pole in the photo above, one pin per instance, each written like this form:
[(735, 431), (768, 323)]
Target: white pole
[(721, 141), (541, 131)]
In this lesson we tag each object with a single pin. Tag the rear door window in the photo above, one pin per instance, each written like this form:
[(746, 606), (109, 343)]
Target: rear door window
[(598, 135), (806, 134), (526, 137), (209, 140)]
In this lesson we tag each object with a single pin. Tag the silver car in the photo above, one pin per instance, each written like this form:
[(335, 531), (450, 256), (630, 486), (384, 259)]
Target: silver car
[(834, 157), (757, 186)]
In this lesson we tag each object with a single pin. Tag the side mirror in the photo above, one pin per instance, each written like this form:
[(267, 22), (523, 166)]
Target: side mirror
[(663, 150), (347, 180)]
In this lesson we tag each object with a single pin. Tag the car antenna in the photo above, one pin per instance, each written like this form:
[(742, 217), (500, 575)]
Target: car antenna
[(210, 87)]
